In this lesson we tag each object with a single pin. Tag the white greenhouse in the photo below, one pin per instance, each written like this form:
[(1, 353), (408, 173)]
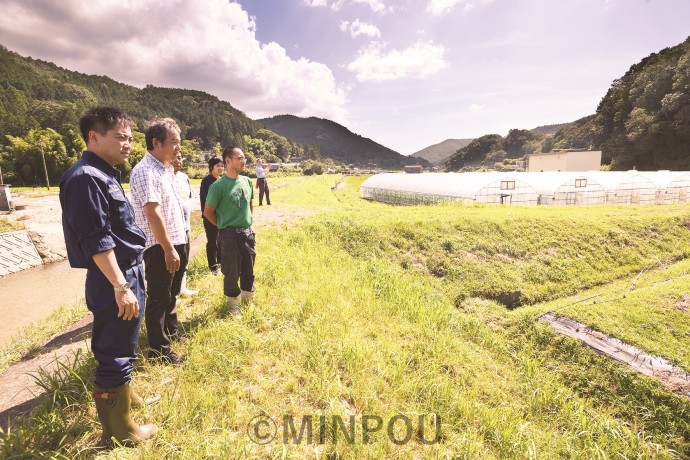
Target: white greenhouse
[(565, 188), (410, 189), (522, 188), (671, 186), (626, 187)]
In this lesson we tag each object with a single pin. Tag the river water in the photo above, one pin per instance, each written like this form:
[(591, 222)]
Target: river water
[(30, 295)]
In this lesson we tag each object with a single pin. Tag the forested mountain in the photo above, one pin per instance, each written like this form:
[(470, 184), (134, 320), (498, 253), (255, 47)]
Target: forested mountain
[(40, 105), (494, 151), (337, 142), (437, 154), (644, 119), (642, 122), (40, 94), (550, 130)]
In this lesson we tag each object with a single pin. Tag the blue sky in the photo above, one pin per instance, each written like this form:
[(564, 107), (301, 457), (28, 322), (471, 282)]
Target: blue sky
[(405, 73)]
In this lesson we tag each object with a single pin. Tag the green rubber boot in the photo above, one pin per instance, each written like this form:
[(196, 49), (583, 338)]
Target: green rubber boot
[(113, 407), (139, 402)]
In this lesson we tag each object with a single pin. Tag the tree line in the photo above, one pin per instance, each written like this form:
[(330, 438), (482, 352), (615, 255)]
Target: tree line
[(40, 104), (642, 122)]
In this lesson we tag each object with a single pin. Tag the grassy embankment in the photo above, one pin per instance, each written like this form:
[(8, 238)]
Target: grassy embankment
[(370, 310)]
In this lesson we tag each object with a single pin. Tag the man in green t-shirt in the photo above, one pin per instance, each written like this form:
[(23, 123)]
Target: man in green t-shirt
[(229, 207)]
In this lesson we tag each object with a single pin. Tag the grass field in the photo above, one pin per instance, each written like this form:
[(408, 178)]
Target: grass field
[(418, 325), (7, 225)]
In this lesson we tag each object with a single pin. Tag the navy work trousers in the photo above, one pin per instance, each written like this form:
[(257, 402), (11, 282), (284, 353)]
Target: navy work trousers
[(239, 251), (113, 340)]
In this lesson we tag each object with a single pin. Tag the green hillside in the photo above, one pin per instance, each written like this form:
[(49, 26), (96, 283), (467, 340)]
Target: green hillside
[(40, 105), (337, 142), (437, 154), (642, 122), (550, 130), (39, 94)]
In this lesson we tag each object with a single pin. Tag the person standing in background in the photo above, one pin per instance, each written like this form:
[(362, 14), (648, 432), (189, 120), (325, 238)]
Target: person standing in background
[(184, 191), (102, 236), (213, 255), (158, 212), (261, 174), (229, 207)]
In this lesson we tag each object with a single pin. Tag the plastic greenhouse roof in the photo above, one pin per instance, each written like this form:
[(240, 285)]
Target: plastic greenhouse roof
[(462, 185), (467, 185)]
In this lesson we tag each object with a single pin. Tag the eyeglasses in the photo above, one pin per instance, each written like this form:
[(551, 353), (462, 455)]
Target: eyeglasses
[(239, 158)]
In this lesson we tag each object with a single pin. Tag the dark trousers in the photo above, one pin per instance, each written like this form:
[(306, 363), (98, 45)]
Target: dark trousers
[(162, 289), (263, 189), (239, 251), (212, 248), (113, 340)]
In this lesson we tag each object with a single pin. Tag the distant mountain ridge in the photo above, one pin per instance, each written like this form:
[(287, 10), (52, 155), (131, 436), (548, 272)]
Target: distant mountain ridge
[(337, 142), (550, 130), (437, 154)]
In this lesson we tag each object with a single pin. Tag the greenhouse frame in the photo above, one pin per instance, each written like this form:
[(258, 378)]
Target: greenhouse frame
[(531, 188)]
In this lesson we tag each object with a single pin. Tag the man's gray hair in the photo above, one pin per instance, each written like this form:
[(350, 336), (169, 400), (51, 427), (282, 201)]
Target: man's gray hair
[(158, 128)]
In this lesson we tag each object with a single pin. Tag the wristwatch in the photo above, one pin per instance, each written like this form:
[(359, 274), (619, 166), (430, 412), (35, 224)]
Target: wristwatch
[(123, 288)]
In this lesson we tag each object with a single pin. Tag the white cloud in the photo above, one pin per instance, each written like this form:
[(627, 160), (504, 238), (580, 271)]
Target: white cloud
[(377, 6), (374, 62), (440, 7), (476, 107), (208, 45), (358, 28)]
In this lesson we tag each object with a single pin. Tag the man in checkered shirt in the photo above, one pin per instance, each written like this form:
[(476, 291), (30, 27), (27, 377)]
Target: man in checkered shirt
[(158, 211)]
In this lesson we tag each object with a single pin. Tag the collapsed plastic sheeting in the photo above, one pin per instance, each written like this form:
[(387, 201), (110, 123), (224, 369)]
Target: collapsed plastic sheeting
[(531, 188)]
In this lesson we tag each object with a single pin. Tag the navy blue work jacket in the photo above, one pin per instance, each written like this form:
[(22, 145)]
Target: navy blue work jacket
[(96, 214)]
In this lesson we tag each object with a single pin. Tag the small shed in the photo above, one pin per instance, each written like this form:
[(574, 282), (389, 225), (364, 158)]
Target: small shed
[(413, 169)]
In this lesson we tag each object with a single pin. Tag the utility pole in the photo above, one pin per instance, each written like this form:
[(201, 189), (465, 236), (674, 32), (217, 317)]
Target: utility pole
[(45, 169)]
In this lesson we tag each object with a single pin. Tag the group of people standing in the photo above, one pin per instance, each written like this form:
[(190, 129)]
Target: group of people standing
[(136, 253)]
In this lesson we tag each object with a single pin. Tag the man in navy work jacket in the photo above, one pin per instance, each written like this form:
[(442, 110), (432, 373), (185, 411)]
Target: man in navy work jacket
[(102, 237)]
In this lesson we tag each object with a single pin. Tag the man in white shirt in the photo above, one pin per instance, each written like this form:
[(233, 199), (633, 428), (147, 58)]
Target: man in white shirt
[(159, 213), (184, 191), (261, 173)]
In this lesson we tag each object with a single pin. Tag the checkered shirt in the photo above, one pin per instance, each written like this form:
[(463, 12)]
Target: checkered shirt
[(153, 182)]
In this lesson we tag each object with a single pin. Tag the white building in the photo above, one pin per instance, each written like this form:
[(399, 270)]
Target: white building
[(565, 161)]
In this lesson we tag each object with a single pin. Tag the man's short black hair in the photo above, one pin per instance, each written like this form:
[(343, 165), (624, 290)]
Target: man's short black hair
[(212, 162), (102, 120), (228, 152)]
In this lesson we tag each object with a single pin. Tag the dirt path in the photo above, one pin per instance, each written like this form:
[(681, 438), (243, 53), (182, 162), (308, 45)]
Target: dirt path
[(19, 389)]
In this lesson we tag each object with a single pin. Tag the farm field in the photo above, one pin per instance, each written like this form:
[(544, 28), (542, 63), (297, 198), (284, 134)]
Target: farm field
[(412, 332)]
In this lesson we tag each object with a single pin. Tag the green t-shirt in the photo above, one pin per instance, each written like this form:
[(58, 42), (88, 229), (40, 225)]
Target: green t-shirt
[(231, 199)]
